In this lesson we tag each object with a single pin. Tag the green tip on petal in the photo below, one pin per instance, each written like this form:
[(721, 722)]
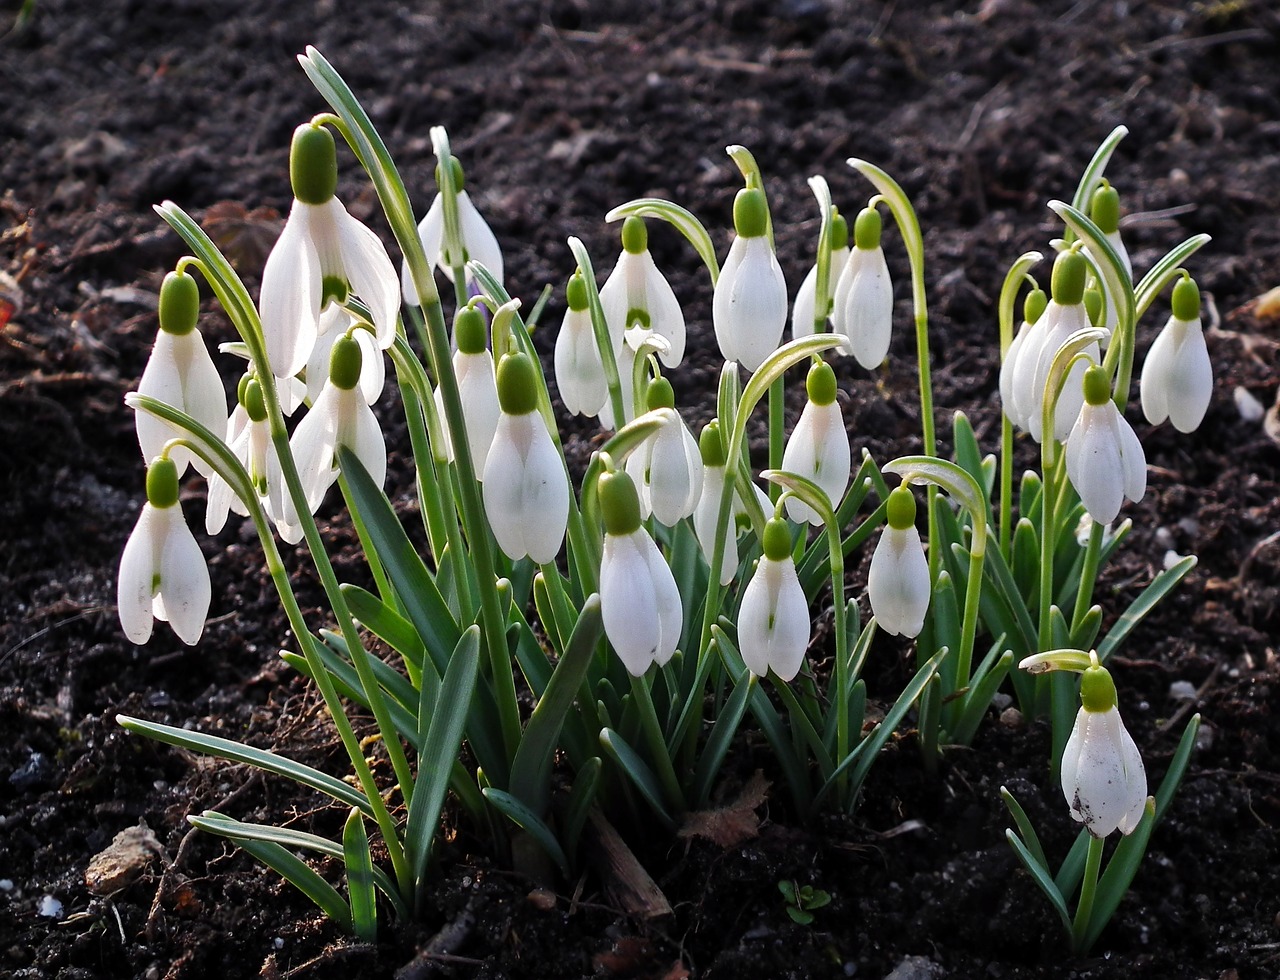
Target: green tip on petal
[(660, 394), (867, 228), (459, 178), (711, 445), (821, 384), (344, 363), (901, 508), (777, 539), (635, 236), (750, 213), (255, 405), (1034, 305), (575, 294), (469, 330), (517, 384), (1186, 299), (1097, 385), (1097, 689), (839, 232), (162, 482), (1070, 270), (333, 289), (1093, 304), (619, 502), (313, 164), (179, 303), (1105, 208)]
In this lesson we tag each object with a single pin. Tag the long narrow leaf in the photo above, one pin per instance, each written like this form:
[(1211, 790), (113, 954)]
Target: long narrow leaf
[(1041, 878), (302, 876), (1143, 604), (638, 771), (582, 797), (726, 725), (359, 862), (528, 821)]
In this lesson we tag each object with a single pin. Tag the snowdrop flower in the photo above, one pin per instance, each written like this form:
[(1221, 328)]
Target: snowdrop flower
[(667, 466), (1105, 461), (525, 488), (637, 291), (339, 417), (707, 512), (1033, 308), (863, 309), (639, 601), (335, 322), (803, 314), (249, 438), (1177, 378), (749, 306), (819, 445), (898, 583), (1103, 778), (773, 620), (478, 241), (180, 373), (323, 253), (477, 387), (1104, 209), (163, 574), (578, 365)]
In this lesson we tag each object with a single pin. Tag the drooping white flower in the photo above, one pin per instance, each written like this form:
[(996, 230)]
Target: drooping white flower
[(335, 321), (1033, 308), (1177, 377), (477, 387), (818, 448), (1104, 458), (773, 619), (578, 365), (1104, 209), (478, 240), (525, 488), (180, 373), (322, 254), (637, 292), (339, 417), (863, 309), (667, 467), (639, 601), (749, 306), (163, 574), (898, 583), (1103, 779), (707, 512), (803, 315), (249, 439)]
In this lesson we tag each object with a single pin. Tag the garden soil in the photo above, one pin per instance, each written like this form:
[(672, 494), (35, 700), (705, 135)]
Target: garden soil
[(559, 111)]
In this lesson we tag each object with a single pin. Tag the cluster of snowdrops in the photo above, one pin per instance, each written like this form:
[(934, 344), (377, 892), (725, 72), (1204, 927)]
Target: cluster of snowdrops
[(641, 662)]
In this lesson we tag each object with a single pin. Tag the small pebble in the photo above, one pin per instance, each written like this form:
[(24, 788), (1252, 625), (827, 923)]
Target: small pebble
[(1247, 404), (1204, 737), (1171, 558), (1011, 718), (1189, 525), (1182, 691), (278, 942), (6, 885), (49, 907), (1164, 538)]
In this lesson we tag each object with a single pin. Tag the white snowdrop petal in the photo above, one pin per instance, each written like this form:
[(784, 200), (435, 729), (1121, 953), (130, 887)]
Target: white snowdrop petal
[(477, 237), (546, 495), (1070, 764), (898, 582), (290, 297), (665, 316), (204, 397), (1194, 382), (366, 439), (802, 310), (184, 578), (792, 626), (369, 270), (430, 233), (868, 307), (1133, 458), (754, 615), (1135, 776), (628, 602), (674, 484), (1007, 370), (478, 392), (312, 447), (705, 515), (1094, 465), (1100, 787), (578, 368), (135, 583), (749, 306), (667, 597)]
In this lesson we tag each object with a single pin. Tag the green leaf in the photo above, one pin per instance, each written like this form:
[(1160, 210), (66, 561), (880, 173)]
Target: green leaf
[(1115, 881), (683, 221), (300, 874), (1041, 878), (355, 852), (582, 797), (726, 725), (982, 688), (1027, 832), (387, 625), (1143, 604), (1092, 176), (1164, 270), (347, 684), (528, 821), (629, 761), (968, 455)]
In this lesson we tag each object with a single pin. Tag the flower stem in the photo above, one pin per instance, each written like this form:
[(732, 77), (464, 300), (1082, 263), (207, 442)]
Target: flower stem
[(1088, 889)]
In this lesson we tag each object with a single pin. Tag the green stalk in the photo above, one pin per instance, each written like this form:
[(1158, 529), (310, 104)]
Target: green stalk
[(657, 742), (1008, 300), (1088, 575), (1088, 890)]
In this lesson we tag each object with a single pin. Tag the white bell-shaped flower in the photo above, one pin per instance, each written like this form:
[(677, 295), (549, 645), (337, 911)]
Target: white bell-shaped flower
[(1104, 209), (578, 365), (1104, 458), (1177, 377), (667, 467), (477, 387), (249, 439), (818, 448), (339, 417), (525, 488), (707, 512), (335, 321), (863, 309), (1103, 778), (163, 574), (773, 619), (322, 254), (749, 306), (639, 601), (637, 292), (180, 373), (1033, 308), (803, 314), (898, 583), (478, 240)]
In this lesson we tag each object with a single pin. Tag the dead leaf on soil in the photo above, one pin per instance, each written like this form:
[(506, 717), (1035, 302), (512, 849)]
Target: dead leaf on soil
[(245, 237), (730, 825), (123, 860)]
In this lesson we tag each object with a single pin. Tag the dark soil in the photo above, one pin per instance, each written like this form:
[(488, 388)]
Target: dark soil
[(560, 110)]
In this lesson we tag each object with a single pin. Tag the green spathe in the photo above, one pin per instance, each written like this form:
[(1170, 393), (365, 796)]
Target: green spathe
[(179, 303), (900, 510), (820, 384), (162, 482), (517, 384), (313, 164), (867, 228), (469, 330), (750, 213), (1070, 270), (1186, 299), (619, 503), (345, 362)]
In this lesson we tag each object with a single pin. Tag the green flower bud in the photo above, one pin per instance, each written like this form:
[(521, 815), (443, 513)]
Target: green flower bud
[(1093, 303), (313, 164), (1104, 209), (179, 303), (1186, 299), (660, 394), (469, 330), (1097, 689), (517, 384), (821, 384), (345, 361), (901, 509), (1070, 269), (711, 445), (242, 385), (635, 236), (750, 213), (619, 502), (1097, 385), (867, 228), (839, 232), (777, 539), (255, 405), (1034, 305), (575, 294), (162, 482)]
